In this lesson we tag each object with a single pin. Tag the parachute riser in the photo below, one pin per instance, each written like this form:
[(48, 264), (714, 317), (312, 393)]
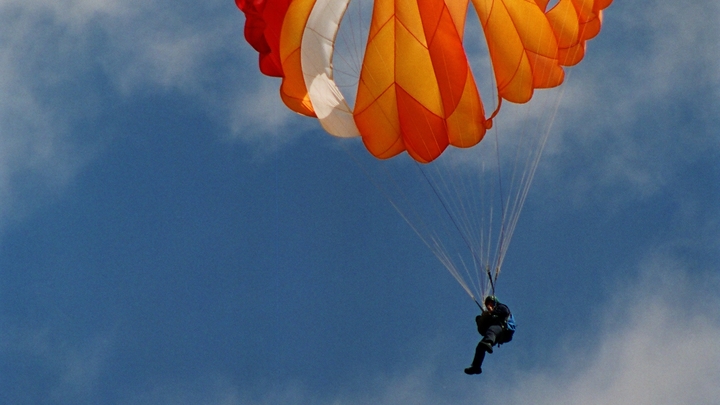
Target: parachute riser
[(490, 277)]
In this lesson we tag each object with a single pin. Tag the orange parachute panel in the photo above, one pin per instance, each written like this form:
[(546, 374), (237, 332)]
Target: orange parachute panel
[(416, 91), (293, 89)]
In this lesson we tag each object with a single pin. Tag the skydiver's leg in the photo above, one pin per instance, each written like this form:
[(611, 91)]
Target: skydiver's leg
[(492, 333), (475, 367)]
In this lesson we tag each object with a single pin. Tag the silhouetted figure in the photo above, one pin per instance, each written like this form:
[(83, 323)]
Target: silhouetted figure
[(496, 325)]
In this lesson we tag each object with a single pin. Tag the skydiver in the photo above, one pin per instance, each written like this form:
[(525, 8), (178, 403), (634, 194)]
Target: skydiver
[(496, 325)]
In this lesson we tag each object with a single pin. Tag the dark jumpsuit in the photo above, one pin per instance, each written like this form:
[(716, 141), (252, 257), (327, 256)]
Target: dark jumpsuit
[(490, 326)]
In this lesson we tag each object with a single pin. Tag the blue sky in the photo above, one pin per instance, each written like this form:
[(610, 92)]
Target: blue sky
[(171, 234)]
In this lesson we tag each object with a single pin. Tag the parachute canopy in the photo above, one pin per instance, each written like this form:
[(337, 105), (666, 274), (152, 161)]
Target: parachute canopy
[(416, 91)]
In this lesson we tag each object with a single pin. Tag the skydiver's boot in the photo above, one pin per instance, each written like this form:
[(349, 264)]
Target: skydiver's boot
[(486, 345), (473, 370)]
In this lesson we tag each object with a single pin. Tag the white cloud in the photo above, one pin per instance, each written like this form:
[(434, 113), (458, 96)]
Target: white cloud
[(654, 350), (58, 60), (37, 153), (259, 118), (71, 369), (660, 344), (657, 349), (164, 47), (73, 12), (637, 107)]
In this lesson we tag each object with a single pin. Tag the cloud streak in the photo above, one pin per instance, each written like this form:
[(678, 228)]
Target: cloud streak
[(71, 370), (654, 351), (63, 65), (37, 153), (657, 351), (660, 344), (637, 107)]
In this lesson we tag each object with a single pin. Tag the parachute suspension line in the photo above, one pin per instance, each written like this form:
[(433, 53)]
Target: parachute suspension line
[(518, 194), (440, 250), (487, 249), (510, 208), (516, 202), (448, 212), (491, 187), (457, 207), (441, 213), (503, 208), (532, 167), (349, 64), (432, 242), (482, 225), (481, 221), (491, 216), (350, 43), (354, 39)]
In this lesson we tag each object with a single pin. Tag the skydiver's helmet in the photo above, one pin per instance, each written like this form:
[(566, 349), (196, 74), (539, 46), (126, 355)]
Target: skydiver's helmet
[(491, 300)]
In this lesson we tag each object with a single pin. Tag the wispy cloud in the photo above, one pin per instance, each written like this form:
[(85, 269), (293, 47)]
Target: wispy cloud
[(260, 119), (639, 105), (63, 64), (212, 391), (38, 154), (71, 370), (660, 344)]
